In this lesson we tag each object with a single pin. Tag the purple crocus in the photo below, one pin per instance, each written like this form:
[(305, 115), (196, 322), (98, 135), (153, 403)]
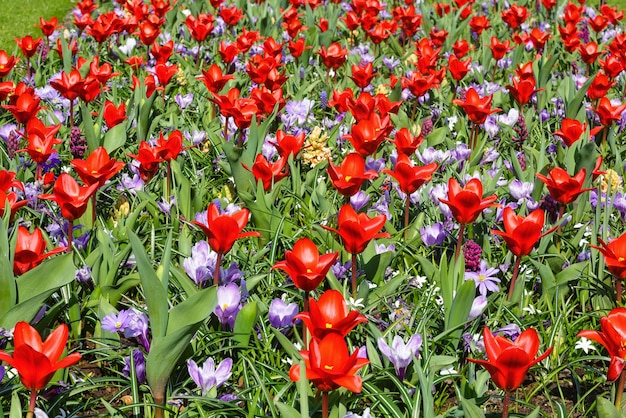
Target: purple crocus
[(401, 354), (208, 377), (484, 278), (140, 366), (116, 322), (201, 265), (281, 314), (433, 234), (183, 101), (228, 298), (359, 200), (83, 274), (478, 306)]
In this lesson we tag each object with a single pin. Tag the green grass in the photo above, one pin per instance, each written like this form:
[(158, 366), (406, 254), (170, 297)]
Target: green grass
[(18, 18)]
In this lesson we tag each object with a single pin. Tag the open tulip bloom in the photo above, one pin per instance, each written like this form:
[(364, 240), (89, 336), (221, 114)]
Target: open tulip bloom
[(37, 361), (615, 260), (508, 361)]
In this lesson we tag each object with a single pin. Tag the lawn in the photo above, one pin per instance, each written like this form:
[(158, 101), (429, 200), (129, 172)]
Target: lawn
[(18, 18)]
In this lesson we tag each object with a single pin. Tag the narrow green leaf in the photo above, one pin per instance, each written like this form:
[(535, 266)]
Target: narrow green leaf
[(8, 289), (154, 292), (196, 308), (287, 411)]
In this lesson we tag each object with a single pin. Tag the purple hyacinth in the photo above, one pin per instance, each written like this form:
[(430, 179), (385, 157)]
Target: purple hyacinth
[(208, 377), (472, 253), (281, 314), (401, 354), (83, 274)]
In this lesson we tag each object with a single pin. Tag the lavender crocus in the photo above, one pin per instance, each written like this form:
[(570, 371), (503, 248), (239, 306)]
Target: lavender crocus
[(140, 366), (201, 265), (401, 354), (433, 234), (228, 298), (281, 314), (116, 322), (183, 101), (359, 200), (478, 306), (366, 414), (207, 377)]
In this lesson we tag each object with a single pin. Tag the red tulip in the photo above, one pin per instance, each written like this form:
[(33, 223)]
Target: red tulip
[(169, 149), (162, 53), (410, 177), (11, 199), (521, 233), (30, 250), (246, 39), (25, 106), (7, 180), (539, 38), (363, 75), (41, 140), (477, 109), (149, 159), (269, 173), (467, 203), (522, 91), (461, 48), (199, 28), (165, 73), (357, 229), (614, 255), (509, 361), (296, 48), (71, 197), (348, 177), (48, 26), (148, 32), (570, 131), (214, 79), (97, 168), (608, 113), (304, 264), (231, 15), (6, 63), (458, 69), (613, 337), (289, 144), (367, 135), (499, 49), (589, 52), (228, 52), (330, 315), (334, 56), (329, 365), (478, 24), (562, 187), (37, 361), (103, 73), (28, 45), (69, 86), (405, 142), (600, 86), (113, 115), (222, 230)]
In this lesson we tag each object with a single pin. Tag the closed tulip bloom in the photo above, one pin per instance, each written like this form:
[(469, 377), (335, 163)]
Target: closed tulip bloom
[(114, 115), (614, 255), (467, 203), (304, 264), (571, 131), (222, 230), (410, 177), (334, 56), (562, 187), (30, 250), (287, 145), (508, 362), (357, 229), (405, 142), (348, 177), (521, 233), (329, 365), (613, 337), (71, 198), (37, 361)]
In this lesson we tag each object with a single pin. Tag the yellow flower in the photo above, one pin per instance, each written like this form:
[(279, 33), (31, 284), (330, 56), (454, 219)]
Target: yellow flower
[(382, 89), (180, 77), (315, 149), (610, 177)]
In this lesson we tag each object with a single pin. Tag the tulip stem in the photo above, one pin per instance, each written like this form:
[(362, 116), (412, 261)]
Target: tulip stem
[(505, 404), (407, 206), (93, 210), (620, 390), (618, 290), (518, 261), (459, 242), (305, 308), (354, 289), (70, 235), (324, 404), (31, 404), (216, 275)]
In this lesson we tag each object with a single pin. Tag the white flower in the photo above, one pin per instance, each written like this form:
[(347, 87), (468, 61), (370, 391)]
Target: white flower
[(452, 120), (584, 344), (531, 310), (449, 371), (356, 303)]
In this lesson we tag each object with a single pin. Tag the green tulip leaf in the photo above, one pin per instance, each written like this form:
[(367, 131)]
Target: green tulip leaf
[(244, 323)]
